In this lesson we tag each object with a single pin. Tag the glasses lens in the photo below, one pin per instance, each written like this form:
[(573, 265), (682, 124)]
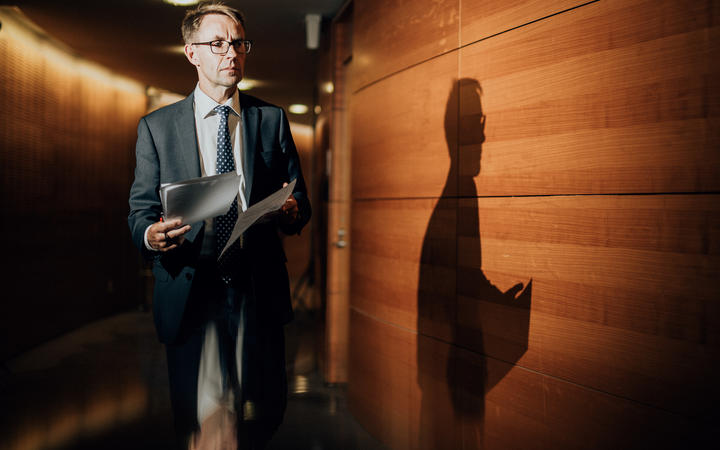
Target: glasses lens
[(219, 47), (241, 46)]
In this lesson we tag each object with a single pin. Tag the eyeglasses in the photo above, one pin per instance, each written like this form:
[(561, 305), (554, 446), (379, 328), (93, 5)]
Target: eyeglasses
[(220, 47)]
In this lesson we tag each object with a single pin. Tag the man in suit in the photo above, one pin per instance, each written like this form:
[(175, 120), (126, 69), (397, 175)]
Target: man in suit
[(221, 323)]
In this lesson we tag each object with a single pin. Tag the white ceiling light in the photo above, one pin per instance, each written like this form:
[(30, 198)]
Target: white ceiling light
[(298, 109), (312, 28), (182, 2)]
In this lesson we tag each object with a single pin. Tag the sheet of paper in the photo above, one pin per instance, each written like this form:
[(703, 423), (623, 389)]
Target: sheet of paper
[(269, 204), (201, 198)]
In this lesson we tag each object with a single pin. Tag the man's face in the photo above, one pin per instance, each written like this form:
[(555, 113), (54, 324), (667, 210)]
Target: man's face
[(217, 71)]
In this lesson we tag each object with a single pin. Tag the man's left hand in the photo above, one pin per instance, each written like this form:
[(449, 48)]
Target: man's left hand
[(289, 210)]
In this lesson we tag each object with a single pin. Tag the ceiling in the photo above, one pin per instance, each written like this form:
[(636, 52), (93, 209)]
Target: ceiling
[(139, 39)]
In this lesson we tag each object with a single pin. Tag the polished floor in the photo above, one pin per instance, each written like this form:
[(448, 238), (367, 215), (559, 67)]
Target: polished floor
[(104, 386)]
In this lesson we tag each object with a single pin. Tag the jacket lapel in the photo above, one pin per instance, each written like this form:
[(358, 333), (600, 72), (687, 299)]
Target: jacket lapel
[(187, 139), (250, 123), (187, 145)]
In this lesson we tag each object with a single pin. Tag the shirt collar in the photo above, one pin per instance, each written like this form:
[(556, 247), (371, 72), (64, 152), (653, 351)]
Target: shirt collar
[(204, 105)]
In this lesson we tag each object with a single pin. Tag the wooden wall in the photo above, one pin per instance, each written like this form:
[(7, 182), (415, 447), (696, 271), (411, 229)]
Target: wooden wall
[(536, 223), (298, 248), (67, 139)]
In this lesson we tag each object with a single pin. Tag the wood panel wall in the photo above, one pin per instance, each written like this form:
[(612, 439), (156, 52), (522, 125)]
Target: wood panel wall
[(536, 223), (298, 248), (67, 138)]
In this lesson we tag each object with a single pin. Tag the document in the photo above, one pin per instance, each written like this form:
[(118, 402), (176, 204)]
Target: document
[(260, 211), (201, 198)]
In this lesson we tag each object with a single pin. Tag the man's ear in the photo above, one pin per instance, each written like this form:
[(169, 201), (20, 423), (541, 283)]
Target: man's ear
[(191, 55)]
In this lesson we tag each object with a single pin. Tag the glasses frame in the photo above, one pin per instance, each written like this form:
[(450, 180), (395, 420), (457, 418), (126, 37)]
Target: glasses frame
[(245, 43)]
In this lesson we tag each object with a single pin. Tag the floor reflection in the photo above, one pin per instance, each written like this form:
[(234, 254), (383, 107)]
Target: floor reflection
[(105, 386)]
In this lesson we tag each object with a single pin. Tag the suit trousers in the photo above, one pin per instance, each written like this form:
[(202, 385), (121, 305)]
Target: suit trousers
[(263, 380)]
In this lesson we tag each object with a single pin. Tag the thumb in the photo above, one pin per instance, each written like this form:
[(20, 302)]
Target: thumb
[(285, 184)]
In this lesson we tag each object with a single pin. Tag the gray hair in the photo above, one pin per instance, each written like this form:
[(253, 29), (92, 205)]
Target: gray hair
[(193, 18)]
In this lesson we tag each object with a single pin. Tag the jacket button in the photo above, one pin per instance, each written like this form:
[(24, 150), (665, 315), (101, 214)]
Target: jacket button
[(188, 276)]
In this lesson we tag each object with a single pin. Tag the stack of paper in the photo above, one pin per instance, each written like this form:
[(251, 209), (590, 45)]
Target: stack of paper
[(199, 198), (202, 198)]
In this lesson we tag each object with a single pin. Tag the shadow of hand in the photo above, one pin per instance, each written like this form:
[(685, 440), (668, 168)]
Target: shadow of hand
[(512, 292)]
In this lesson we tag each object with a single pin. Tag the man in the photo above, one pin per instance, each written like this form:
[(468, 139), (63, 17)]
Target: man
[(221, 322)]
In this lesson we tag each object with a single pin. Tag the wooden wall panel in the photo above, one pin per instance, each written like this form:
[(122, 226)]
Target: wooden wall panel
[(380, 371), (481, 19), (551, 284), (612, 97), (400, 147), (392, 35), (390, 293), (644, 267), (412, 391), (67, 137), (297, 248)]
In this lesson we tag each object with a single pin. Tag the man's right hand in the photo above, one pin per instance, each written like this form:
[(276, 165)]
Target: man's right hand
[(165, 236)]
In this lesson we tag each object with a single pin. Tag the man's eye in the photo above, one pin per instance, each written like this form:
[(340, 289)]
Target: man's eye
[(217, 43)]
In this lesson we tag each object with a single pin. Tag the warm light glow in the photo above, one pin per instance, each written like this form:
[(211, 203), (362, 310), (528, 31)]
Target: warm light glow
[(179, 49), (59, 57), (246, 84), (301, 385), (328, 87), (182, 2), (157, 98), (317, 109), (299, 129), (298, 109)]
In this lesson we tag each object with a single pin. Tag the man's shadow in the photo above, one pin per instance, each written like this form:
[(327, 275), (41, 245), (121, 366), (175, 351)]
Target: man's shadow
[(454, 300)]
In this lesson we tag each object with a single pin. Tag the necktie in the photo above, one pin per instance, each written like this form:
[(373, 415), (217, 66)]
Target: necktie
[(225, 163)]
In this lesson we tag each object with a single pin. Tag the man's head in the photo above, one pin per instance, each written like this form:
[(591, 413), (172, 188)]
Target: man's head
[(201, 28)]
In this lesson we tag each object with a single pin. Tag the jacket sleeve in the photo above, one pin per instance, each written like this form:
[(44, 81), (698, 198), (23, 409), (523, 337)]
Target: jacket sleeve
[(145, 206), (294, 172)]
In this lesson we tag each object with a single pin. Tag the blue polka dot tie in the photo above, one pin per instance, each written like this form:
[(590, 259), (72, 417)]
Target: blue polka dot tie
[(225, 163)]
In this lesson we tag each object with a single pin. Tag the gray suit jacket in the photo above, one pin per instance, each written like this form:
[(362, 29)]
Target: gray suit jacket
[(166, 152)]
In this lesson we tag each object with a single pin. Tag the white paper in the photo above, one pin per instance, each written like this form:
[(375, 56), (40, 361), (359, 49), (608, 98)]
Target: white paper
[(201, 198), (268, 205)]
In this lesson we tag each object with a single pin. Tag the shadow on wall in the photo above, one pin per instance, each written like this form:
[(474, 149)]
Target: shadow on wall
[(456, 303)]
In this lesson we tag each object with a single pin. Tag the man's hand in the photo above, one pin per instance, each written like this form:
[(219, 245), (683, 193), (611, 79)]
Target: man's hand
[(164, 236), (289, 210)]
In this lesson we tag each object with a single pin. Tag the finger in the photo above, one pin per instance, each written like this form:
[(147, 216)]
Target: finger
[(290, 203), (515, 289), (170, 224), (161, 227), (172, 234), (159, 238), (170, 247), (285, 184)]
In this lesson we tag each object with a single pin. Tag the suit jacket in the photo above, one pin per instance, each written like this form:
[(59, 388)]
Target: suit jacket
[(167, 151)]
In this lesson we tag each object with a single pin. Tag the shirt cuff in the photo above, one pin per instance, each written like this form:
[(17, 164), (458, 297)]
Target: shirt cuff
[(147, 244)]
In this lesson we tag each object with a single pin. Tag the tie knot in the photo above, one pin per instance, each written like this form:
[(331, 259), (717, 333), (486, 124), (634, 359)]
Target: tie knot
[(223, 110)]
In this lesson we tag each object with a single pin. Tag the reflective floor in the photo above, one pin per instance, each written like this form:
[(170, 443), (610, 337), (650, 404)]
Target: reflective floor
[(104, 386)]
